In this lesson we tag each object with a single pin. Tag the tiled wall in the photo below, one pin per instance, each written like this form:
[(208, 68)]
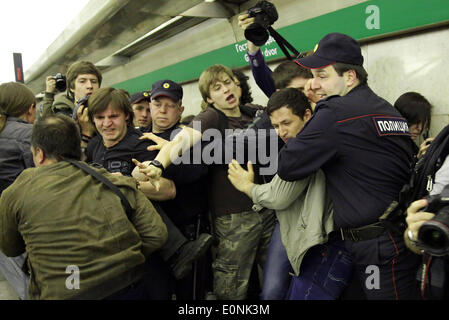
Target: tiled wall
[(414, 62)]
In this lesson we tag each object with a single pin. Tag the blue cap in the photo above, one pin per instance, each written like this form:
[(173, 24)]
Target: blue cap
[(334, 47), (166, 88)]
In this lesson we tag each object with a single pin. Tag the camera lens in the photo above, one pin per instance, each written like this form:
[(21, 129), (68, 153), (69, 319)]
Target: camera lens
[(256, 35), (434, 238), (60, 85)]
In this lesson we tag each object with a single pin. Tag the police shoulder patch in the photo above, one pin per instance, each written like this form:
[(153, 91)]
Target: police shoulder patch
[(390, 125)]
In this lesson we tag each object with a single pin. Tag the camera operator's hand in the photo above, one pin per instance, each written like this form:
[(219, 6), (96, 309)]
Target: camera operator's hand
[(244, 22), (415, 219), (50, 84), (423, 147), (87, 128)]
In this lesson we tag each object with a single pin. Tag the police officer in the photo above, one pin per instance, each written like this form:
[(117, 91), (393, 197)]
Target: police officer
[(363, 146)]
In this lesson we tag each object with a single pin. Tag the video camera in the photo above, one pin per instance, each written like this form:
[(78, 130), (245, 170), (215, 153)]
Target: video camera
[(433, 236), (81, 102), (61, 84)]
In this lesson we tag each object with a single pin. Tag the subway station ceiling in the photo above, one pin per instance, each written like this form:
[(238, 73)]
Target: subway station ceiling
[(110, 32)]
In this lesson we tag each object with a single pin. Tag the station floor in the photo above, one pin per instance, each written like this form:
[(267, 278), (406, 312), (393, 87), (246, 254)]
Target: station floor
[(6, 292)]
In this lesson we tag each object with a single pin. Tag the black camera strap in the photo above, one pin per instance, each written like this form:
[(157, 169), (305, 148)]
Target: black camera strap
[(283, 44), (107, 182)]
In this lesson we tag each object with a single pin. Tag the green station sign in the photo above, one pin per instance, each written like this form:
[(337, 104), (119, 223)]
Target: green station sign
[(375, 18)]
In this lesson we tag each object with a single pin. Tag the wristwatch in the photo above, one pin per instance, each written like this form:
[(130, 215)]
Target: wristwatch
[(157, 164)]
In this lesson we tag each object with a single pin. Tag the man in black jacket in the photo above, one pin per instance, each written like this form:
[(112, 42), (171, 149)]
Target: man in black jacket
[(114, 148)]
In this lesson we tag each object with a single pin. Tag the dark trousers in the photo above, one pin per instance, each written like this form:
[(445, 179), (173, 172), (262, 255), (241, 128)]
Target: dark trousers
[(199, 281), (325, 272), (175, 237), (136, 291), (154, 285), (386, 269)]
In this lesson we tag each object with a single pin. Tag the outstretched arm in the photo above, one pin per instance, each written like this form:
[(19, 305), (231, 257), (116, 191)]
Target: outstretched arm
[(260, 70), (183, 141)]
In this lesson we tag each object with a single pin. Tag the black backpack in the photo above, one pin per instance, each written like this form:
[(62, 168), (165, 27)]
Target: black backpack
[(420, 184)]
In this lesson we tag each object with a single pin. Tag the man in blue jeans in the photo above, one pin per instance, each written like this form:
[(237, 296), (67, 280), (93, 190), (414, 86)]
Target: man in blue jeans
[(301, 243)]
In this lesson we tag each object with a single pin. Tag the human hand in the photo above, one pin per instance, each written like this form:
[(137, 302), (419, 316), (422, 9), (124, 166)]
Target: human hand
[(310, 93), (160, 142), (146, 187), (136, 174), (415, 217), (153, 173), (87, 127), (241, 179), (244, 21), (423, 147), (50, 84)]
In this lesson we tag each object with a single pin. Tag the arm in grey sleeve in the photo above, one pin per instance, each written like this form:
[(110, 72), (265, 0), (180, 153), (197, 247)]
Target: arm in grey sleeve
[(278, 194)]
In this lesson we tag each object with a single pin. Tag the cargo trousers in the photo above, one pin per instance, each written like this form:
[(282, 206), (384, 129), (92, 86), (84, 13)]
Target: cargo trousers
[(243, 240)]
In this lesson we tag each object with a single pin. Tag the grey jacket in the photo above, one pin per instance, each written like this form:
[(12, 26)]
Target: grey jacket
[(304, 211), (15, 153)]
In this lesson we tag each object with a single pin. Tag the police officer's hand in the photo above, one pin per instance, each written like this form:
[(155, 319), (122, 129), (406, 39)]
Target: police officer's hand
[(311, 94), (423, 147), (160, 142), (241, 179), (153, 173), (244, 21), (50, 84), (87, 127), (415, 217)]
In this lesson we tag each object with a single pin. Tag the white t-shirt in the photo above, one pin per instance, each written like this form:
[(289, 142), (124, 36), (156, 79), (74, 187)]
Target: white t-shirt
[(441, 178)]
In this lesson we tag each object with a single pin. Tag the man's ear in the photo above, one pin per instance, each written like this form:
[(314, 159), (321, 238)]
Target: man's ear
[(31, 114), (350, 77), (307, 115), (210, 101), (39, 156), (31, 109)]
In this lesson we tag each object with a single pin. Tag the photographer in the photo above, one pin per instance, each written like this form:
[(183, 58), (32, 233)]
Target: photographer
[(415, 219), (435, 267), (83, 78), (288, 74)]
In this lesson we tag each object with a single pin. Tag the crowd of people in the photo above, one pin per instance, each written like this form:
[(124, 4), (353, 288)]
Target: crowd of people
[(112, 195)]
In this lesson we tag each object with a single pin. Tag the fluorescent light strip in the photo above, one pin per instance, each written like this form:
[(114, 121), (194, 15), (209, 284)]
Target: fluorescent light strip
[(158, 28)]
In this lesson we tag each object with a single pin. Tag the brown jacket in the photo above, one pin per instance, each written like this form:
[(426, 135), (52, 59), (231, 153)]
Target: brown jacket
[(56, 103), (63, 217)]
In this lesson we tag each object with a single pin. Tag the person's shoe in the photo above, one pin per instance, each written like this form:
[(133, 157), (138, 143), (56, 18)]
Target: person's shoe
[(188, 253)]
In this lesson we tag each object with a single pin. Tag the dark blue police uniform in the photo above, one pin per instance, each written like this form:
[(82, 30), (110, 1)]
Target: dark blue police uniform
[(191, 187), (363, 146)]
